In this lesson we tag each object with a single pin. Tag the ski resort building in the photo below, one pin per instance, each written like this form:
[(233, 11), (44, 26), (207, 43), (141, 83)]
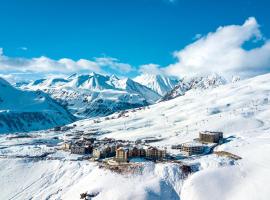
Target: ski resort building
[(136, 151), (81, 148), (210, 136), (99, 152), (154, 153), (192, 148), (104, 151), (122, 154), (141, 152), (66, 145)]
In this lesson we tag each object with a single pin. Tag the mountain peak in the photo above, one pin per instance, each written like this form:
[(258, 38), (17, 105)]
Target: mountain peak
[(93, 74), (197, 82), (160, 83), (72, 76), (207, 81)]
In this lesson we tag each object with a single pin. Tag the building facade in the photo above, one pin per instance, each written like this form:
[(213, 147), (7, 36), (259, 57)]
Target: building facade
[(154, 153), (80, 149), (122, 154), (192, 149), (99, 153), (210, 136), (66, 145), (104, 151)]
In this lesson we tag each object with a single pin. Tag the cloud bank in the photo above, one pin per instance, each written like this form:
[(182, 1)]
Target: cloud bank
[(19, 66), (150, 69), (222, 52)]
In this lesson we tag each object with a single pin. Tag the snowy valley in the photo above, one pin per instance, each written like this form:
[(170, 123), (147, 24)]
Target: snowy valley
[(134, 100), (34, 165)]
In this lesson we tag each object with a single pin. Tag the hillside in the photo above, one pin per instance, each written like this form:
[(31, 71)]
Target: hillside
[(26, 111), (240, 110), (195, 83)]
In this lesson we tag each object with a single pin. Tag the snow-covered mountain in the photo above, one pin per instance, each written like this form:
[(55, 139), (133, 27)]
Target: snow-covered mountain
[(179, 90), (91, 82), (240, 110), (159, 83), (196, 83), (94, 94), (206, 82), (29, 110), (131, 86)]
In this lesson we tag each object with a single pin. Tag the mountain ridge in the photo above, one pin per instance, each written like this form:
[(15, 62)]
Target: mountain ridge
[(29, 110), (94, 95), (159, 83)]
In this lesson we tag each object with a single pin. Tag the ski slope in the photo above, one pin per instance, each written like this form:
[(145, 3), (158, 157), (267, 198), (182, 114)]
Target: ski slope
[(241, 110)]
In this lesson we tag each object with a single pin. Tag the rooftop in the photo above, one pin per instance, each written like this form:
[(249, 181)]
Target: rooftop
[(123, 148), (192, 144), (211, 132)]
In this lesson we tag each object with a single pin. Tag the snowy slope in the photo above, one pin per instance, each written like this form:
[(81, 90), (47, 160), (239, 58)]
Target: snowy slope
[(26, 111), (95, 95), (131, 86), (92, 81), (53, 179), (241, 110), (196, 83), (159, 83)]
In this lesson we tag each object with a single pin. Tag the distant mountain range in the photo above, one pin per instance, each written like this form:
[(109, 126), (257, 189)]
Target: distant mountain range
[(195, 83), (47, 103), (95, 95), (29, 110)]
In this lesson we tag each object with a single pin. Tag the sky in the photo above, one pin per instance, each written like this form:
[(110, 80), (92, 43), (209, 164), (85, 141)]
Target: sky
[(42, 38)]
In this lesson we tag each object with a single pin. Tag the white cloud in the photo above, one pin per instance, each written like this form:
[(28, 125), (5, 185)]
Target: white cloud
[(44, 65), (219, 52), (222, 52), (150, 69), (114, 64), (15, 77), (50, 76)]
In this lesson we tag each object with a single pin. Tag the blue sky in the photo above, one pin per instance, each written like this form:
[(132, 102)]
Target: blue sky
[(135, 32)]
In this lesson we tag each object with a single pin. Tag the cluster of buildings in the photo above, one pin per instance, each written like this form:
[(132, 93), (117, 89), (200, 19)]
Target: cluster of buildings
[(79, 146), (121, 150), (123, 154), (201, 144)]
